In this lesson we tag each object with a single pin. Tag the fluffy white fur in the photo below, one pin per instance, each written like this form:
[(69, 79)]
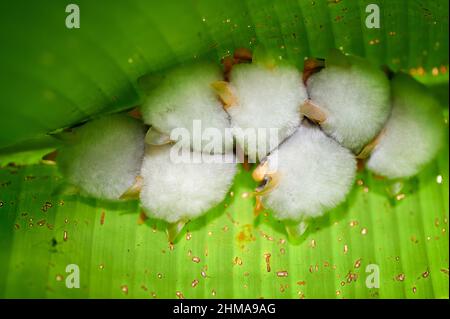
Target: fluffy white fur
[(176, 191), (355, 98), (267, 98), (184, 95), (103, 157), (413, 133), (315, 175)]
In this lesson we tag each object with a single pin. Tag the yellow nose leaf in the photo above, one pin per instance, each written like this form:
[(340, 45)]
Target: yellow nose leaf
[(273, 180), (225, 93), (313, 112)]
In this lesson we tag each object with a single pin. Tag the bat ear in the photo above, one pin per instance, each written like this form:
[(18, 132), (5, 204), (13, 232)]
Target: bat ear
[(225, 93), (135, 113), (367, 150), (135, 189), (50, 158), (156, 138), (312, 66), (174, 229), (243, 55)]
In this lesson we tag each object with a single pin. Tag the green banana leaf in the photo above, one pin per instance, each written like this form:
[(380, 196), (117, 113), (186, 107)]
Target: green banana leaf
[(53, 77)]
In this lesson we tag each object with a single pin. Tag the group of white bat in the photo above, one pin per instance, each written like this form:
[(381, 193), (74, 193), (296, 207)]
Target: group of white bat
[(337, 111)]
